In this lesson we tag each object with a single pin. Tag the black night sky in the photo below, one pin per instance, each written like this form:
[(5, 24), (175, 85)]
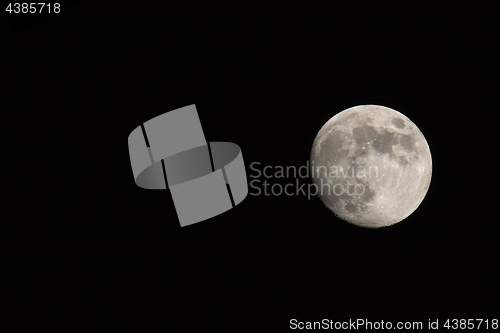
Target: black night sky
[(85, 243)]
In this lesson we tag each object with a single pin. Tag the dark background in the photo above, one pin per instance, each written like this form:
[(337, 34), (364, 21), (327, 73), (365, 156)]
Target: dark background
[(85, 243)]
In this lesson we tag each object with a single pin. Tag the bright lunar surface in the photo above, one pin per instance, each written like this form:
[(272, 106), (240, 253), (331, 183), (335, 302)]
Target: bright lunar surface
[(372, 166)]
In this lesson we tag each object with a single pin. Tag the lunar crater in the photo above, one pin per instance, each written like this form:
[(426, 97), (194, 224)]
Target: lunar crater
[(398, 122)]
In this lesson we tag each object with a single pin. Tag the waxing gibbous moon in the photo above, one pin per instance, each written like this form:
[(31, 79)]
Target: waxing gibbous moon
[(372, 166)]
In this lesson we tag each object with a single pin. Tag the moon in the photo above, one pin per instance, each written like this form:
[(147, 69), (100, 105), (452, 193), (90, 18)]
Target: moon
[(371, 165)]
